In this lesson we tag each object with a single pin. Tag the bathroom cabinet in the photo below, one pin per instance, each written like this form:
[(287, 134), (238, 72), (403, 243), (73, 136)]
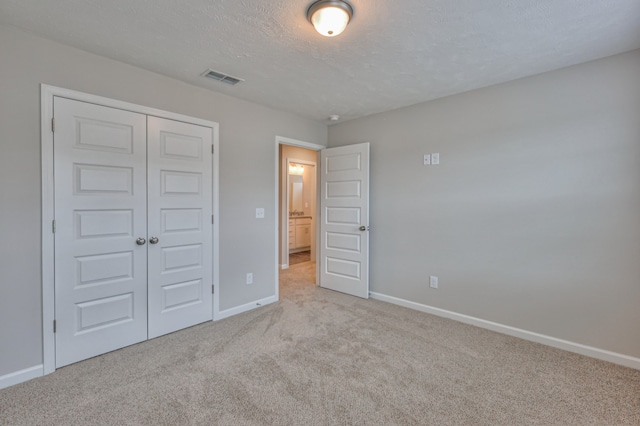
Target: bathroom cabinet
[(299, 233)]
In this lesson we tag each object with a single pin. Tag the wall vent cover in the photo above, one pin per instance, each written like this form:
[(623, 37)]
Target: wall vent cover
[(219, 76)]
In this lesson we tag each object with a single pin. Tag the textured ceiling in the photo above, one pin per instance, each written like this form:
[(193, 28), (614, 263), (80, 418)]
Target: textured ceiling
[(394, 53)]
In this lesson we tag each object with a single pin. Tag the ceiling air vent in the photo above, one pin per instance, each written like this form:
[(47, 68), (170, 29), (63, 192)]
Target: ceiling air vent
[(225, 78)]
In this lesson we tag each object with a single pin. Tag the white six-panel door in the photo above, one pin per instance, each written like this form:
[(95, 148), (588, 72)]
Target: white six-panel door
[(344, 227), (180, 225), (100, 211), (133, 237)]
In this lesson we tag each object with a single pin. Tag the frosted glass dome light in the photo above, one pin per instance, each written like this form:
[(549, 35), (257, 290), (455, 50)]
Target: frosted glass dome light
[(330, 17)]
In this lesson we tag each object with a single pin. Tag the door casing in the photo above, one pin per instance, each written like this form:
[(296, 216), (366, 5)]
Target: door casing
[(47, 94)]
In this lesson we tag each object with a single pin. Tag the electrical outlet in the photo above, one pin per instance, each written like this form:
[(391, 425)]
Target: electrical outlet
[(433, 281), (259, 213), (427, 159), (435, 158), (250, 278)]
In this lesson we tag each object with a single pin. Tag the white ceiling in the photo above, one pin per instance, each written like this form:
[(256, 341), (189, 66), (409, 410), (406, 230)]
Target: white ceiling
[(394, 53)]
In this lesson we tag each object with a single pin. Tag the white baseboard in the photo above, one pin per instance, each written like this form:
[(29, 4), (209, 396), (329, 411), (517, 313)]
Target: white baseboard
[(284, 266), (246, 307), (616, 358), (21, 376)]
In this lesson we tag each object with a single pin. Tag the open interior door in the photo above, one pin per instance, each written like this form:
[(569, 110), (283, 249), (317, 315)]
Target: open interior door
[(344, 224)]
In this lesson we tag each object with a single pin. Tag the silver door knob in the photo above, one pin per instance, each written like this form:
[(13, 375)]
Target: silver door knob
[(140, 241), (363, 228), (154, 240)]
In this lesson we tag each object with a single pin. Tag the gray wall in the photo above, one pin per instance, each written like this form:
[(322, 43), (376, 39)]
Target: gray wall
[(532, 219), (247, 174)]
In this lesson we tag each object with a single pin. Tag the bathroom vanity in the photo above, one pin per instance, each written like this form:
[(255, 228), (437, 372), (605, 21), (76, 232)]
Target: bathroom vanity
[(299, 233)]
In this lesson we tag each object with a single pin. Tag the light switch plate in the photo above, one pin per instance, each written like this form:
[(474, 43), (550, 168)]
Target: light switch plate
[(435, 158), (259, 213), (433, 281), (427, 159)]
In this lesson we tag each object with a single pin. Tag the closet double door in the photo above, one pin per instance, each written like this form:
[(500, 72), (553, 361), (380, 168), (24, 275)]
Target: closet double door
[(133, 232)]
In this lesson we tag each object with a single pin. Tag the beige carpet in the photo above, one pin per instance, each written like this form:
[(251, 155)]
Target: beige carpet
[(322, 358)]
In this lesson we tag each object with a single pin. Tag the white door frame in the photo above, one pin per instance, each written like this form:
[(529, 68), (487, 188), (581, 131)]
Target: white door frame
[(47, 94), (285, 240), (281, 214)]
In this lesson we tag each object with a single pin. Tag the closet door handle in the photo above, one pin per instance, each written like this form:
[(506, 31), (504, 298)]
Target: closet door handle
[(141, 241), (154, 240)]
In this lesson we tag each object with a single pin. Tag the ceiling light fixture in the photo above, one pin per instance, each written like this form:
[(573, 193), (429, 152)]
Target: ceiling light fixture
[(330, 17), (296, 169)]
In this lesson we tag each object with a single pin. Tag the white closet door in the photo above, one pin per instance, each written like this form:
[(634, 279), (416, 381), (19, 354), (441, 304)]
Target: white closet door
[(100, 211), (179, 225)]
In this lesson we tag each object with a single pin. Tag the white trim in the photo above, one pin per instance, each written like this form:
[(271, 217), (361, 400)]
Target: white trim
[(284, 266), (48, 314), (21, 376), (127, 106), (246, 307), (216, 222), (590, 351), (281, 140), (47, 94)]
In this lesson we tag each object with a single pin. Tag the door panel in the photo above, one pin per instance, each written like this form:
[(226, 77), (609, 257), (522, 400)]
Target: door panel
[(100, 210), (344, 247), (180, 208)]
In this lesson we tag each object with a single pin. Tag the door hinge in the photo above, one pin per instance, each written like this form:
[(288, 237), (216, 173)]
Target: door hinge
[(212, 219), (54, 326), (53, 226), (212, 149), (213, 289), (53, 124)]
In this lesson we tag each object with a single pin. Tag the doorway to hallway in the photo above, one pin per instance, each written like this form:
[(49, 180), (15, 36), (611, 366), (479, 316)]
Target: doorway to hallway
[(297, 210), (299, 213)]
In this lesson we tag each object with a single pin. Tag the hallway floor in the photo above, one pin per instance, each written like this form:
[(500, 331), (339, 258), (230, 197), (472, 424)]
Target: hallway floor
[(300, 257)]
